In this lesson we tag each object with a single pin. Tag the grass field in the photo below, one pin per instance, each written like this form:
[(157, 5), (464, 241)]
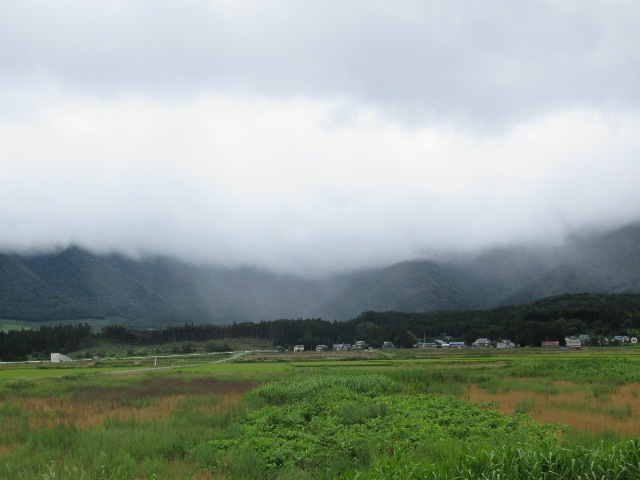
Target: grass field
[(399, 414)]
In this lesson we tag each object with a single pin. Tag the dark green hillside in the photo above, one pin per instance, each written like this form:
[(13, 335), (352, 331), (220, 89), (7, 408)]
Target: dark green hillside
[(92, 286), (23, 295), (562, 279), (513, 267), (76, 284), (177, 285), (418, 286), (614, 259)]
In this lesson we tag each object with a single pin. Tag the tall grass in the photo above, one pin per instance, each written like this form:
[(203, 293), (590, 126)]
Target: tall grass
[(584, 369), (323, 384), (429, 380), (146, 427), (339, 422), (528, 461)]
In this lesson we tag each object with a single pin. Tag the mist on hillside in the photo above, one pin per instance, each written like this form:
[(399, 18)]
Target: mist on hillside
[(77, 284)]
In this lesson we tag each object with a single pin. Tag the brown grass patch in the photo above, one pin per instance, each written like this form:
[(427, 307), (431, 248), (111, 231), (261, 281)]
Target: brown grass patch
[(5, 450), (564, 383), (618, 412), (496, 364), (145, 401)]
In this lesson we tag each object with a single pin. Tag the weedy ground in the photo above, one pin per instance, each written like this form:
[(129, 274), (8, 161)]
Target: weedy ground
[(365, 415)]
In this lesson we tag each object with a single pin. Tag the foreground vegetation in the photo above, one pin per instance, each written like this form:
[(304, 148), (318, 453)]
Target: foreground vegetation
[(354, 415)]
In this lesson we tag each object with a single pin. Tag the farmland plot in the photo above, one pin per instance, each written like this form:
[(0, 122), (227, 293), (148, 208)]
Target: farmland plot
[(397, 418)]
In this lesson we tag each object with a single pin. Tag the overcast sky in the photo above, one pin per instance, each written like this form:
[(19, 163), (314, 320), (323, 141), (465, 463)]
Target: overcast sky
[(315, 136)]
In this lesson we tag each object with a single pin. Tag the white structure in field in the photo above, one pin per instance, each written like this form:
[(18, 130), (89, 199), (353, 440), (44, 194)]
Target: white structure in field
[(58, 357), (575, 343), (298, 348)]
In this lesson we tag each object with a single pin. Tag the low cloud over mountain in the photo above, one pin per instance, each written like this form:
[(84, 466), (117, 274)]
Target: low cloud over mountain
[(315, 138), (75, 284)]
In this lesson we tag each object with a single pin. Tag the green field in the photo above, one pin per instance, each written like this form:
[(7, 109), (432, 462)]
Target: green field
[(403, 414)]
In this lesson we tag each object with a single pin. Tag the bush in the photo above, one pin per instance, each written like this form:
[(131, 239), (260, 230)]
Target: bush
[(218, 347), (330, 423)]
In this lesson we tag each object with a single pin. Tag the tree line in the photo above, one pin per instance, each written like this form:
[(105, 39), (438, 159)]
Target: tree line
[(549, 319)]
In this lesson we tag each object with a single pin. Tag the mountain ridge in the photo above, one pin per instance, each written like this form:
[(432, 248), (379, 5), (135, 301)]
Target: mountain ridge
[(76, 284)]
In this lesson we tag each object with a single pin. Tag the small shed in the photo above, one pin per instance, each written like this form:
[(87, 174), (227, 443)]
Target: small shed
[(58, 357), (298, 348), (574, 343)]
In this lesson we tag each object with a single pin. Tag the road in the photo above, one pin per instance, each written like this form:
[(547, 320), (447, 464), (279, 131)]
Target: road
[(222, 360)]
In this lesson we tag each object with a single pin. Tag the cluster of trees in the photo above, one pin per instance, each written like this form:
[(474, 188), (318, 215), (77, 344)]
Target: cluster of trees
[(549, 319), (17, 345)]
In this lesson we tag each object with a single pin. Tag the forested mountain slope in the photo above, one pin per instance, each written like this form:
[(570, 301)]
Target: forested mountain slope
[(418, 286), (76, 284)]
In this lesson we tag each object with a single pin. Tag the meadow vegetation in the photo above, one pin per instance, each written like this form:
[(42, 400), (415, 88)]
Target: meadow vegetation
[(362, 415)]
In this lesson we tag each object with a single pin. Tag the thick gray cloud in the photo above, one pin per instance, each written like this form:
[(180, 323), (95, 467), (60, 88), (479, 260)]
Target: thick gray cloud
[(315, 135), (488, 62)]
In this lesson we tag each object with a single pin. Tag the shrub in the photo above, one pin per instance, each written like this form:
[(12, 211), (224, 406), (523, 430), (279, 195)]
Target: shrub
[(215, 346), (328, 424)]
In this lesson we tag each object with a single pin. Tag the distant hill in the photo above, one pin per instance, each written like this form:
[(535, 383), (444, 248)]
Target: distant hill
[(76, 284), (608, 263), (418, 286), (560, 280)]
